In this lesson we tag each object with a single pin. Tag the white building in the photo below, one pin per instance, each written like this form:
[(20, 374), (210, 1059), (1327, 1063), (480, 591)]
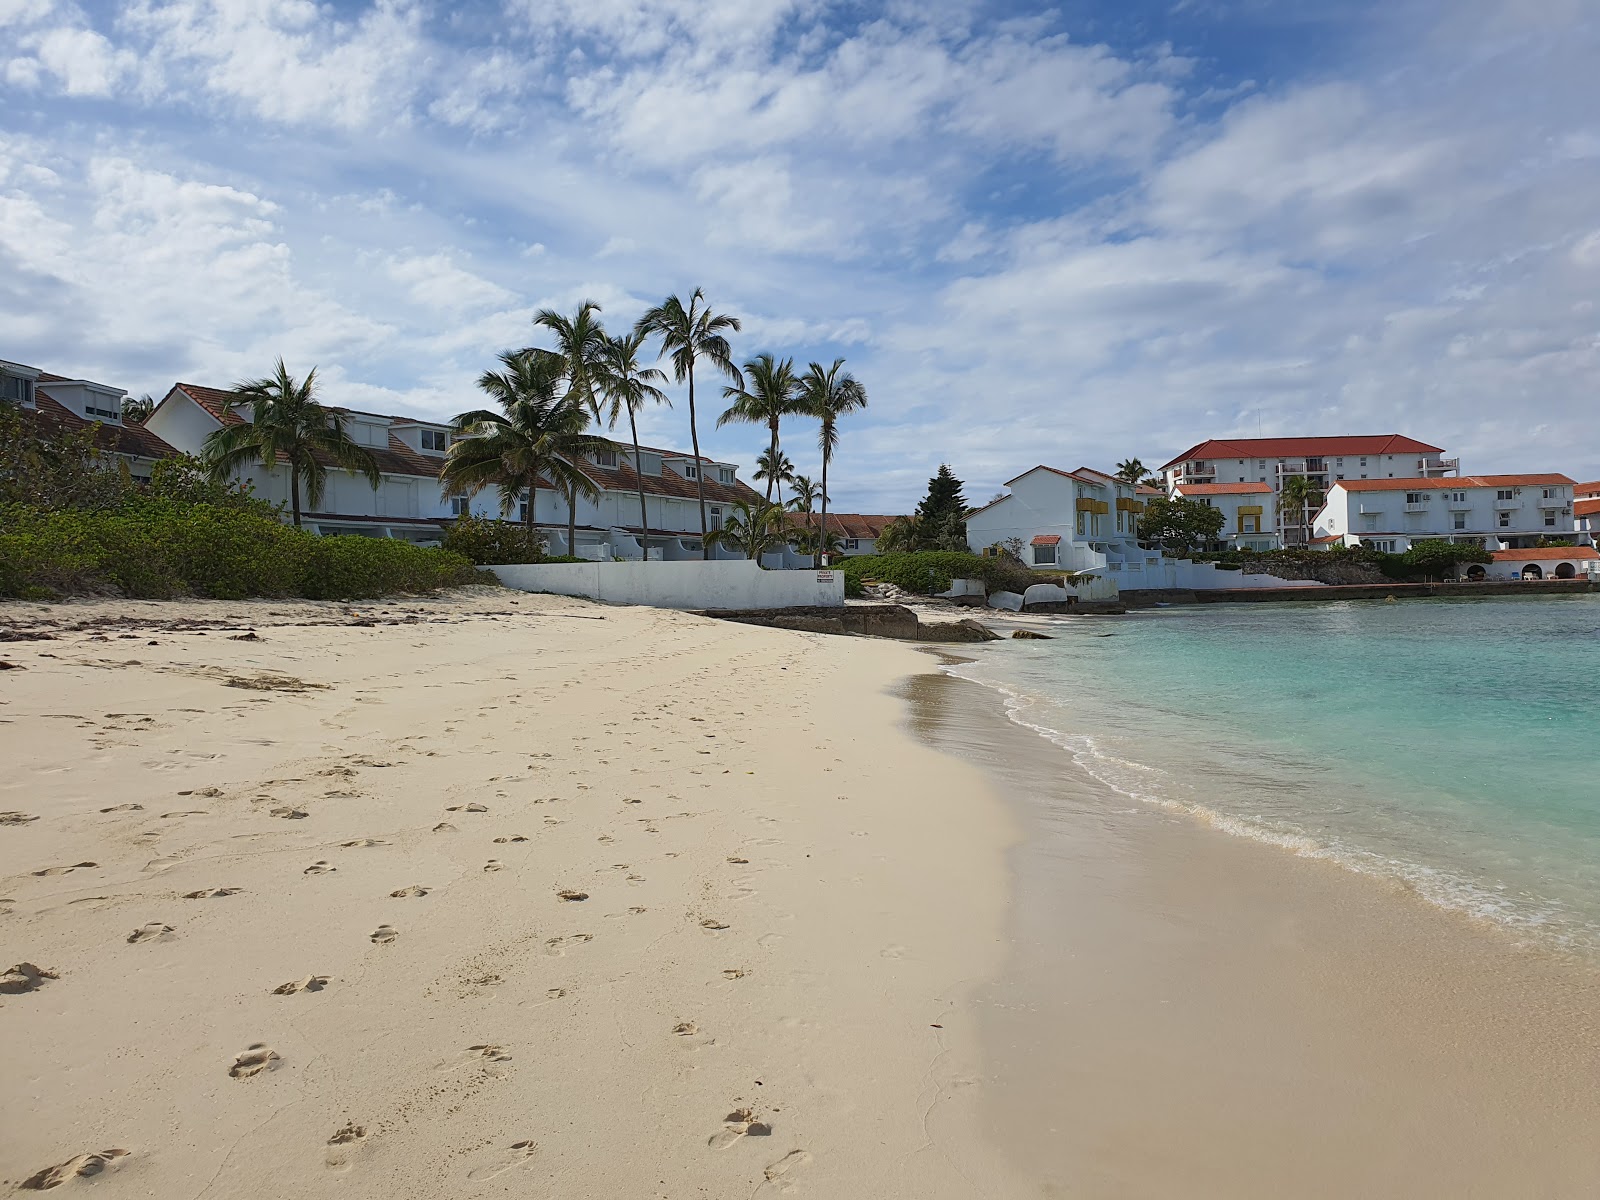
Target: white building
[(1248, 519), (1543, 562), (1586, 509), (1323, 460), (410, 502), (857, 532), (1081, 520), (1499, 512), (57, 404)]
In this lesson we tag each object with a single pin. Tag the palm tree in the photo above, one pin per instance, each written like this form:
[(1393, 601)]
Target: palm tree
[(540, 431), (805, 495), (775, 473), (752, 528), (828, 394), (580, 343), (1294, 498), (1131, 471), (287, 424), (138, 411), (626, 387), (689, 334), (770, 394)]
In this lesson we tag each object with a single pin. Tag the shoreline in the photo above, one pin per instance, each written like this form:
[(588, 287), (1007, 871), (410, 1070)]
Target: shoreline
[(488, 892), (1185, 1012)]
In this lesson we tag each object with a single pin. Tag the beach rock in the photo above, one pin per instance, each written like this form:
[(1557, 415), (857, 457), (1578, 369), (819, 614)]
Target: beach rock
[(1031, 636), (957, 631), (1009, 601)]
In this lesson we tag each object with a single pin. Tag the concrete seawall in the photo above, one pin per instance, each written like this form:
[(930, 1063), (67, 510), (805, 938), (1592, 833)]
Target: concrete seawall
[(1400, 591)]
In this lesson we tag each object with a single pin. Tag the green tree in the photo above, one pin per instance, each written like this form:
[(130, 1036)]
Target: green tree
[(688, 334), (1179, 525), (776, 472), (1296, 498), (828, 394), (138, 411), (287, 424), (626, 387), (581, 346), (1131, 471), (942, 515), (752, 527), (1441, 558), (805, 495), (768, 392), (540, 430), (899, 534)]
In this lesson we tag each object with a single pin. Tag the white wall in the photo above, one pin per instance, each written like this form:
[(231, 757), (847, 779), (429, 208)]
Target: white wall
[(697, 585)]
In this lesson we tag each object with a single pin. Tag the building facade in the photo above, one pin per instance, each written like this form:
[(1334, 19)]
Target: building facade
[(1248, 519), (1498, 512), (57, 405), (857, 532), (1324, 461), (1081, 520), (411, 503)]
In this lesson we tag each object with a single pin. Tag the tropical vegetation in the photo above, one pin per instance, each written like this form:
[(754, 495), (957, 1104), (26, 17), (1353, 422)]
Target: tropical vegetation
[(768, 392), (829, 394), (1180, 526)]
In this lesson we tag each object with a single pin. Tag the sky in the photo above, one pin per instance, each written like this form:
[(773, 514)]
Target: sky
[(1067, 233)]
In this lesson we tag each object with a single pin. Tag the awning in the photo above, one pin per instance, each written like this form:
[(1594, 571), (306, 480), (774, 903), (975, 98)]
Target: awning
[(1046, 539)]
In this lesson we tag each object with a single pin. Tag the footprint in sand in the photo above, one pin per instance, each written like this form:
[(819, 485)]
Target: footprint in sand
[(84, 1166), (739, 862), (25, 977), (519, 1154), (320, 867), (734, 973), (789, 1162), (365, 842), (486, 1057), (572, 896), (494, 864), (65, 870), (256, 1059), (685, 1029), (208, 893), (384, 934), (473, 807), (500, 841), (444, 827), (637, 909), (713, 924), (22, 818), (416, 889), (289, 814), (150, 933), (558, 945), (741, 1122), (311, 983), (187, 812), (122, 808), (347, 1134)]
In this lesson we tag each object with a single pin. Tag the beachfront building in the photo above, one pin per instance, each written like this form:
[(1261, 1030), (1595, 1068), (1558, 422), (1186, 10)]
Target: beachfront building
[(1586, 509), (57, 405), (1498, 512), (1541, 562), (1082, 520), (1247, 512), (1323, 460), (410, 503), (857, 532)]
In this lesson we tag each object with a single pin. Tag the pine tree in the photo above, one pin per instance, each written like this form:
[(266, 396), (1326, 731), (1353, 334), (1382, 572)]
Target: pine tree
[(942, 515)]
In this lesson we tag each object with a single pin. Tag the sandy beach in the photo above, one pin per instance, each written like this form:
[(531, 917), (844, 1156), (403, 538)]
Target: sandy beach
[(486, 895)]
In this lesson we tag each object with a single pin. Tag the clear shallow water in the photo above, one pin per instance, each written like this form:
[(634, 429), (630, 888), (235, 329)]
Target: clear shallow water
[(1450, 745)]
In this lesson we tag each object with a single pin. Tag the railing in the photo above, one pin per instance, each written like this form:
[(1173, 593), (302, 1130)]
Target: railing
[(1415, 506), (1507, 505), (1443, 467), (1369, 509), (1552, 502), (1458, 505)]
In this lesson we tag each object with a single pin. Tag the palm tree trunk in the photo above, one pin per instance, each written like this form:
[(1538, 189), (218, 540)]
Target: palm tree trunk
[(294, 491), (822, 534), (572, 520), (772, 463), (533, 503), (699, 473), (638, 475)]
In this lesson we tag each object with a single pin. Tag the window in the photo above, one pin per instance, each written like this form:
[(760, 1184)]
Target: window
[(1550, 493), (460, 506), (1045, 556), (1250, 524), (1363, 463), (13, 388), (1338, 462), (109, 414), (1550, 518), (690, 471), (715, 518), (1337, 477), (1458, 497), (1505, 494), (435, 439), (1415, 498), (1382, 545), (1083, 524), (852, 543), (1505, 520), (725, 475), (1261, 464), (1459, 520), (605, 458)]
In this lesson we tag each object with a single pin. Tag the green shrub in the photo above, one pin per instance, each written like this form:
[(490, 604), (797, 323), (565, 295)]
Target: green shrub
[(925, 572), (491, 543), (159, 549)]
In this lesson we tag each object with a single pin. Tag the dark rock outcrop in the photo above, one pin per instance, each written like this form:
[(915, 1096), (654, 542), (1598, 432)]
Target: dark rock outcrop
[(862, 620)]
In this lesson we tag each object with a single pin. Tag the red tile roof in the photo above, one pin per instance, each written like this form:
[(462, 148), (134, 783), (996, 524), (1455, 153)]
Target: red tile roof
[(1452, 485), (1141, 490), (846, 525), (1587, 508), (132, 440), (1225, 489), (1327, 539), (1548, 554), (1046, 539), (1585, 490), (1302, 447)]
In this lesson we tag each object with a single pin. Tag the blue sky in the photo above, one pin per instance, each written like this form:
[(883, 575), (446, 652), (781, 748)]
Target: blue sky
[(1061, 233)]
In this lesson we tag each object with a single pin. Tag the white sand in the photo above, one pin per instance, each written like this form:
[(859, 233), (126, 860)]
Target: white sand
[(786, 898)]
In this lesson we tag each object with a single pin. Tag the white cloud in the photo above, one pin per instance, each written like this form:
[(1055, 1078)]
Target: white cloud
[(435, 282)]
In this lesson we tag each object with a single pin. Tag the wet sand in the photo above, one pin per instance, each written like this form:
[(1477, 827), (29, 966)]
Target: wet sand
[(1185, 1013)]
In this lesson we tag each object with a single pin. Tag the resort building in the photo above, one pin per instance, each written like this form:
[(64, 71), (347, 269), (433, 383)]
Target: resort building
[(1248, 519), (1586, 508), (1499, 512), (1083, 520), (1542, 562), (1323, 460), (857, 532), (59, 405), (411, 504)]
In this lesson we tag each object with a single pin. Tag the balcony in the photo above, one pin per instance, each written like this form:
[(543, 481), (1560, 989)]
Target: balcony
[(1445, 466), (1414, 506), (1458, 505), (1367, 508), (1553, 502), (1507, 505)]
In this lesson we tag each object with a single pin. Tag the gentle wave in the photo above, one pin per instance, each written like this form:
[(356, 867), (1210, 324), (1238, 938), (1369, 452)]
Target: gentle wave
[(1528, 915)]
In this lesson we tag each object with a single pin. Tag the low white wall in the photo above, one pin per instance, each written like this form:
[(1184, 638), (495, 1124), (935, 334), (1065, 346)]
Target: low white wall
[(728, 584), (1200, 577)]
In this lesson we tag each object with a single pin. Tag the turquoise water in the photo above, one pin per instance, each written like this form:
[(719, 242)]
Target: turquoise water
[(1450, 745)]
